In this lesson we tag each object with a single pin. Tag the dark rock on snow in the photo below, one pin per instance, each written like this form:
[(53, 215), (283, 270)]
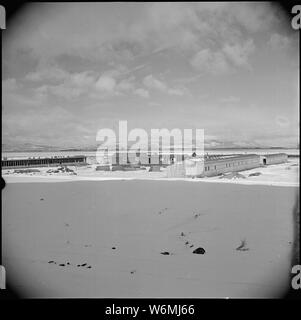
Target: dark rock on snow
[(199, 250)]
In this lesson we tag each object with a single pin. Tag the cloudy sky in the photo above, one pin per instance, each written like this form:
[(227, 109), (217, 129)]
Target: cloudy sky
[(229, 68)]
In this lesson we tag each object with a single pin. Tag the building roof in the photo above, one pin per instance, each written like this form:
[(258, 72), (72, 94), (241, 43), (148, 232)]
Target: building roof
[(223, 158), (271, 155), (42, 158)]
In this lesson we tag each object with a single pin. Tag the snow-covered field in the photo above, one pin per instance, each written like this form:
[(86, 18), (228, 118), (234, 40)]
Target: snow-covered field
[(285, 174), (106, 238)]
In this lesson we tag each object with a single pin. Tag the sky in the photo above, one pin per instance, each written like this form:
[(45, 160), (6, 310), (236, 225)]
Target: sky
[(70, 69)]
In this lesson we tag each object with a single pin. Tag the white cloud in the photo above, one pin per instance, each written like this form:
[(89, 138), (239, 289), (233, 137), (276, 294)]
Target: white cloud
[(154, 104), (82, 79), (119, 40), (65, 91), (201, 59), (219, 62), (254, 17), (213, 62), (153, 83), (120, 32), (47, 73), (9, 85), (278, 42), (106, 83), (238, 53), (117, 71), (126, 85), (230, 99), (59, 82), (72, 85), (176, 92), (142, 93)]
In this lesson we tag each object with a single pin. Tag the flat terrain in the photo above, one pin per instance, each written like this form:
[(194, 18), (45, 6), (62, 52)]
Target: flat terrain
[(285, 174), (106, 238)]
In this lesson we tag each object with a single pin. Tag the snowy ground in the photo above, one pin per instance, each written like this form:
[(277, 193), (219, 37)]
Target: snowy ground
[(105, 238), (101, 234)]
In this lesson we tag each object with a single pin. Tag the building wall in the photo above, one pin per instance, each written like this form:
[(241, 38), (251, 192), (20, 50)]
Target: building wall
[(274, 158), (194, 167), (145, 158), (25, 163), (235, 164), (176, 170), (212, 167)]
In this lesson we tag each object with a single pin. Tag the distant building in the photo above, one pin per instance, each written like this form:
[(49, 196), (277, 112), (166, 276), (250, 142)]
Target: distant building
[(194, 167), (213, 165), (275, 158), (176, 170), (144, 158), (42, 162)]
